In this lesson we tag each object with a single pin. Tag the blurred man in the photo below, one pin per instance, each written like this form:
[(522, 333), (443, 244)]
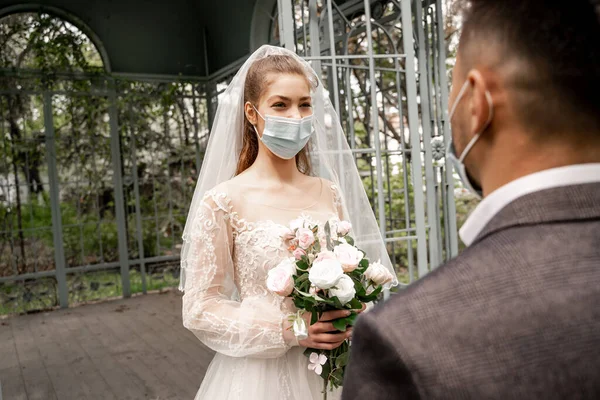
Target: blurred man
[(517, 314)]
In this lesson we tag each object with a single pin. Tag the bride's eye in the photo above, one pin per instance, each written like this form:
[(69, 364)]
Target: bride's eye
[(278, 105), (306, 105)]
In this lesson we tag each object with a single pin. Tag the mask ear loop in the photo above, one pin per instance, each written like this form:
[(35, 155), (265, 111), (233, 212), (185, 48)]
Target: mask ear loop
[(459, 96), (488, 97), (254, 126)]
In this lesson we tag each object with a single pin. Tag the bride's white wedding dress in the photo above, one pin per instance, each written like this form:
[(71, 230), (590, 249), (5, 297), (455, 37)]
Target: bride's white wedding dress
[(227, 304)]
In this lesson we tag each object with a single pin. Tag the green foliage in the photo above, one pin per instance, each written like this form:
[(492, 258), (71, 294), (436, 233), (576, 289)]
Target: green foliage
[(41, 294)]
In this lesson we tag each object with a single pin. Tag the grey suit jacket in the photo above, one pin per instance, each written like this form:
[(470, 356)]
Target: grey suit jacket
[(515, 316)]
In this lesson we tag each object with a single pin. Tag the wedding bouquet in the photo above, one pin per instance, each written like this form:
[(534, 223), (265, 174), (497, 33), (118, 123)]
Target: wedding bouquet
[(326, 272)]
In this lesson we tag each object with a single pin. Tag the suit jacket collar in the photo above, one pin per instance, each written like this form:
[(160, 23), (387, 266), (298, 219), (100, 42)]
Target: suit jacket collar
[(559, 204)]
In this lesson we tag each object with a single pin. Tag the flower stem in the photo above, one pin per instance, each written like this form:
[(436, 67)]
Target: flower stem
[(324, 389)]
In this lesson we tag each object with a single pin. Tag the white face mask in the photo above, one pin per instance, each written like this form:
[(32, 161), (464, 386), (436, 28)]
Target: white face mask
[(458, 162), (285, 137)]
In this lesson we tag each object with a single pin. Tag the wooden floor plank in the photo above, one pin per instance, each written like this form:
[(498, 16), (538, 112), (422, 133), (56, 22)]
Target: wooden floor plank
[(76, 358), (191, 361), (65, 383), (37, 383), (168, 326), (140, 358), (11, 378), (127, 349), (171, 364), (12, 385), (170, 312), (122, 383), (132, 359)]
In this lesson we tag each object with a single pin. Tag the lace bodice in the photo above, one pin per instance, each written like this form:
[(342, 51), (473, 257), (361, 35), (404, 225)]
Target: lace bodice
[(257, 249), (226, 302)]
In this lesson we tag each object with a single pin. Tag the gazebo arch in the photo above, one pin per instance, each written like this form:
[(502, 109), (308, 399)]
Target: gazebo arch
[(64, 15)]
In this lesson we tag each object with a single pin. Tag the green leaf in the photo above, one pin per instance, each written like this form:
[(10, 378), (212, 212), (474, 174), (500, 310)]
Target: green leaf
[(351, 319), (326, 370), (355, 304), (363, 264), (337, 376), (299, 303), (371, 297), (305, 287), (336, 302), (302, 264), (349, 240), (314, 318), (309, 300), (360, 290), (340, 324), (317, 246), (342, 360)]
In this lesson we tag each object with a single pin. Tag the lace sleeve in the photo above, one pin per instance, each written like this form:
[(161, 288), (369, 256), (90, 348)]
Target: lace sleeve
[(211, 310)]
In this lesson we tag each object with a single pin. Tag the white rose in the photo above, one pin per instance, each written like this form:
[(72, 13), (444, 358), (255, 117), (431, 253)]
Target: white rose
[(325, 273), (280, 279), (326, 255), (344, 227), (305, 237), (348, 255), (380, 275), (343, 290)]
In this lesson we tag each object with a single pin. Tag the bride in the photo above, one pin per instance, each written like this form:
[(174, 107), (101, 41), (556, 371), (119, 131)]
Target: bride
[(276, 153)]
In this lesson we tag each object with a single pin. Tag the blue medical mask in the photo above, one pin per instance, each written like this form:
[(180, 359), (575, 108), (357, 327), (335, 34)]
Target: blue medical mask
[(285, 137), (458, 162)]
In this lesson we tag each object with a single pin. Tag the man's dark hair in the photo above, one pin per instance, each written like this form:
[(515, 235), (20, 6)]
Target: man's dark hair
[(557, 86)]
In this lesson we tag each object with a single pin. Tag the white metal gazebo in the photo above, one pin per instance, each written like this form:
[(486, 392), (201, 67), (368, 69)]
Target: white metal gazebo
[(101, 148)]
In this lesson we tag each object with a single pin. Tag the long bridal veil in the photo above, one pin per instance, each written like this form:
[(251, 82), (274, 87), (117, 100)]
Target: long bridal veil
[(329, 153)]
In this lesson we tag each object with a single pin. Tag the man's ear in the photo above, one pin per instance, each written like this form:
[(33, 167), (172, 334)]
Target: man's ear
[(481, 107), (250, 113)]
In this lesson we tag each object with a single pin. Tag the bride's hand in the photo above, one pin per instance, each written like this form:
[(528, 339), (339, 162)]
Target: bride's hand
[(323, 335)]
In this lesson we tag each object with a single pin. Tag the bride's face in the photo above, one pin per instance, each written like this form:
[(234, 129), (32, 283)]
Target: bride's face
[(287, 95)]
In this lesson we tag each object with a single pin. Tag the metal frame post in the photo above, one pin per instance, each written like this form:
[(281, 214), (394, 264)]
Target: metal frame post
[(432, 207), (115, 147), (138, 208), (315, 43), (450, 218), (413, 123), (286, 24), (53, 183), (375, 120), (334, 77)]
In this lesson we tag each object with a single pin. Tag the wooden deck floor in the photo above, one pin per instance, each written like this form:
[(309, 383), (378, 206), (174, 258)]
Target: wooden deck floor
[(125, 349)]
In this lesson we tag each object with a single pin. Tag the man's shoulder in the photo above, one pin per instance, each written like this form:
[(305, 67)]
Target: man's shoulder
[(472, 275), (509, 264)]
